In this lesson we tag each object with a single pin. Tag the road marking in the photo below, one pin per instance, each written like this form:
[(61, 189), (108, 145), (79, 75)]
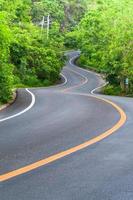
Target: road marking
[(88, 71), (82, 69), (65, 82), (80, 84), (92, 92), (54, 86), (65, 153), (23, 111), (86, 79), (73, 58), (32, 101), (62, 154)]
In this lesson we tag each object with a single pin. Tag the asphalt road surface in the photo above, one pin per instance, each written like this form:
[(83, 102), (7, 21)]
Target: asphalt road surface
[(52, 145)]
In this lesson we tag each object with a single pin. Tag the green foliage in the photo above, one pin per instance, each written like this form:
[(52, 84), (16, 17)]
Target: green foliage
[(70, 40), (28, 57), (6, 75), (6, 80), (112, 90), (25, 57), (105, 37)]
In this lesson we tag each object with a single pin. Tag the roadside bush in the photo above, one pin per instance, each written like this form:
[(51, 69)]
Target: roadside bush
[(6, 70), (112, 90), (6, 82)]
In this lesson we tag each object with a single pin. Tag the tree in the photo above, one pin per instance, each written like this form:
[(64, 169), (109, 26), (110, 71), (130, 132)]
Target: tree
[(104, 36)]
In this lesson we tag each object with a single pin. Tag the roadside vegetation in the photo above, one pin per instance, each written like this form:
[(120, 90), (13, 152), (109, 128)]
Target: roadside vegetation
[(32, 54), (105, 38)]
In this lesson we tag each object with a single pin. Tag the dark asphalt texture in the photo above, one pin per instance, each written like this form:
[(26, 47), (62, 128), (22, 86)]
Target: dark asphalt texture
[(59, 120)]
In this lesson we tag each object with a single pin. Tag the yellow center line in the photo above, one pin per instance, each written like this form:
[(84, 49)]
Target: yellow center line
[(77, 85), (62, 154)]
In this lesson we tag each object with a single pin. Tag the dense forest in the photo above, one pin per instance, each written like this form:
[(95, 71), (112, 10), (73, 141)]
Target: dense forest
[(31, 50)]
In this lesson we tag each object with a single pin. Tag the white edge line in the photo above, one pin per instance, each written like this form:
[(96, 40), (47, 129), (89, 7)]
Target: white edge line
[(88, 71), (54, 86), (92, 92), (86, 79), (23, 111), (65, 82), (33, 96), (58, 85), (73, 58), (32, 101), (70, 62)]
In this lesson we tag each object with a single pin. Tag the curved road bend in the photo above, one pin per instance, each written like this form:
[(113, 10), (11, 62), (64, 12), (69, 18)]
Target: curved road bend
[(63, 117)]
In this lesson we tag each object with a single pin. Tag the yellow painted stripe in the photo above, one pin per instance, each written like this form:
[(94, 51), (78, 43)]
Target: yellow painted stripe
[(62, 154), (77, 85)]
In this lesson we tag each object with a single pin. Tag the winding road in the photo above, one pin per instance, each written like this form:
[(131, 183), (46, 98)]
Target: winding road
[(67, 143)]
